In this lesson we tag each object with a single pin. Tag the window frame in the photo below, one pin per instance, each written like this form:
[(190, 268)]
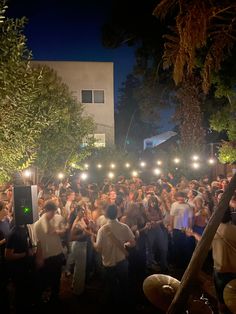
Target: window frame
[(93, 96)]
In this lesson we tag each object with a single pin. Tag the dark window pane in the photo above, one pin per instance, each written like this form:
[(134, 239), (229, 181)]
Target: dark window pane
[(99, 96), (87, 96)]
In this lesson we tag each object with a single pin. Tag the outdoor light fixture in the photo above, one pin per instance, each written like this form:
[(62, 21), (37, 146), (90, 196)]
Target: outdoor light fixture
[(134, 173), (159, 162), (127, 165), (60, 175), (211, 161), (27, 173), (86, 166), (176, 160), (99, 166), (112, 166), (84, 176), (196, 165), (157, 171), (111, 175), (143, 164), (195, 157)]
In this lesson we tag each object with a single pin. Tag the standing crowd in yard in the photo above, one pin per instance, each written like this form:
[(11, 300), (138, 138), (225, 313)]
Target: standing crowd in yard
[(118, 232)]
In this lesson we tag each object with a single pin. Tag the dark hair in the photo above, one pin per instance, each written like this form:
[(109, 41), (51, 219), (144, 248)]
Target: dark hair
[(181, 194), (69, 192), (50, 206), (153, 203), (111, 212), (2, 205), (119, 200), (217, 192), (227, 216)]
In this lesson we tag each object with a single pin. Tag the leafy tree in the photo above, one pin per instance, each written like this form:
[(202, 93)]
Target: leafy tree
[(60, 143), (223, 119), (33, 101)]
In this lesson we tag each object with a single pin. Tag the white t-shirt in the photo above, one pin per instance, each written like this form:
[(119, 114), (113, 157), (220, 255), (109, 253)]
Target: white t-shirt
[(111, 253), (50, 243), (181, 212)]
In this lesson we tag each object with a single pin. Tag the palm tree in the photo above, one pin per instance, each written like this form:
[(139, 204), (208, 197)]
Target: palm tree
[(201, 37)]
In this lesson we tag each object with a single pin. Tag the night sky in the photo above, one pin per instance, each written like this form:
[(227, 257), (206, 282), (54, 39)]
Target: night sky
[(71, 30)]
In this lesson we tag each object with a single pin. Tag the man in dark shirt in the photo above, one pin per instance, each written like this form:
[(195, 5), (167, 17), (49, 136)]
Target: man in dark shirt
[(19, 258), (4, 233)]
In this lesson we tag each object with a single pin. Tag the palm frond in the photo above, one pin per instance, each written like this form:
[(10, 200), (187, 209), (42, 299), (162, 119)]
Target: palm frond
[(164, 7)]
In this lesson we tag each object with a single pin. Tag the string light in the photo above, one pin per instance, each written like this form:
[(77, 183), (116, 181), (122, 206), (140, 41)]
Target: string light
[(60, 175), (159, 162), (86, 166), (73, 165), (195, 157), (127, 165), (134, 173), (211, 161), (112, 166), (157, 171), (84, 176), (195, 165), (99, 166), (176, 160), (27, 173), (111, 175), (143, 164)]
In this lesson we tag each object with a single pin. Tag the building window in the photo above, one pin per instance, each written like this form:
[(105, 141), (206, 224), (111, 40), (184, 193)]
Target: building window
[(92, 96), (87, 96), (98, 96), (99, 140)]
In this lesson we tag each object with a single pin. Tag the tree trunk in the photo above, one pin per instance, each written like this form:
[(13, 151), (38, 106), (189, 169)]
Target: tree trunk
[(190, 116), (179, 302)]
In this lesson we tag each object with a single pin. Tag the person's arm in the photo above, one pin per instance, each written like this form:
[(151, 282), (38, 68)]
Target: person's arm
[(130, 238), (190, 218), (97, 241), (172, 215), (39, 256), (171, 223), (10, 255), (3, 241)]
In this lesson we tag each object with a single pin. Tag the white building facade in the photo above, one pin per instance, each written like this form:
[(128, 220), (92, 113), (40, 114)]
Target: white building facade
[(92, 83)]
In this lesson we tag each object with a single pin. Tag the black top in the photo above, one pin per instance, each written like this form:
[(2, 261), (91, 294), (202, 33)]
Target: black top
[(18, 240), (4, 233), (4, 229)]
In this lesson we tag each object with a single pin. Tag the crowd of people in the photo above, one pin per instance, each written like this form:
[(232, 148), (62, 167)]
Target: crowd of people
[(117, 231)]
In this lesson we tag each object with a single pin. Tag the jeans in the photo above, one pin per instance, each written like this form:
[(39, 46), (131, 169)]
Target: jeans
[(157, 239), (80, 256)]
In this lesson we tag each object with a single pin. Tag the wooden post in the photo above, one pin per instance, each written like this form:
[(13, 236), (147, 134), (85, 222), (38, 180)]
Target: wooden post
[(179, 302)]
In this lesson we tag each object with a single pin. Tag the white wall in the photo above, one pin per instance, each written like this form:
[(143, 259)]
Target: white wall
[(90, 76)]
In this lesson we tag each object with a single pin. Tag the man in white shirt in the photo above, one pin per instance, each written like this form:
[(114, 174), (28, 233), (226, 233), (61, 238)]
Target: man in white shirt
[(112, 240), (181, 218), (47, 232)]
